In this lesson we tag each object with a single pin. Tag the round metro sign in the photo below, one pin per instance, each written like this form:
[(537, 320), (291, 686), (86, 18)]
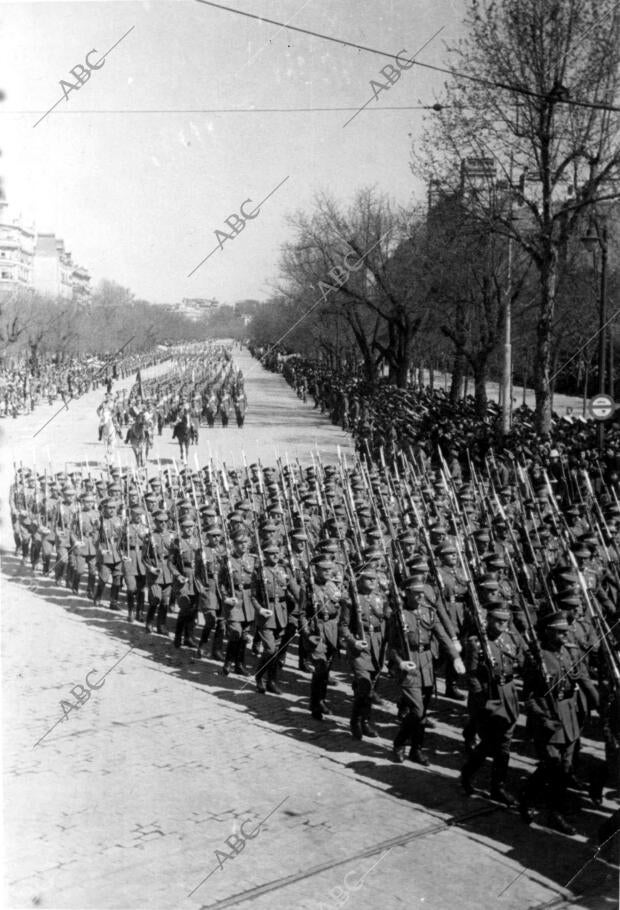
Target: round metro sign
[(602, 407)]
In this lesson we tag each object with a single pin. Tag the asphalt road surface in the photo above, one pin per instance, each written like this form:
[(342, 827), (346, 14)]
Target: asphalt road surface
[(175, 787)]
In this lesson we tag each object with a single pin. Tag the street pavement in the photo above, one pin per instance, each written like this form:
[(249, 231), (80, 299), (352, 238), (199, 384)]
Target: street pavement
[(175, 787)]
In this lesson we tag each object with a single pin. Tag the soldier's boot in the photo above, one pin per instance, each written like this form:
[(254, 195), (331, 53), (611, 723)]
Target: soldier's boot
[(416, 753), (529, 793), (231, 655), (401, 739), (140, 605), (150, 615), (70, 575), (76, 578), (302, 658), (557, 797), (272, 677), (162, 616), (130, 605), (188, 638), (317, 694), (46, 565), (357, 711), (473, 764), (365, 696), (240, 667), (499, 776), (179, 629), (91, 586), (262, 674), (218, 642), (204, 638), (98, 592), (115, 590)]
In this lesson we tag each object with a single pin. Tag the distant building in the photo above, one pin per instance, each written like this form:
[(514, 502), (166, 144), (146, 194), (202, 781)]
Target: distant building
[(80, 281), (53, 267), (17, 243)]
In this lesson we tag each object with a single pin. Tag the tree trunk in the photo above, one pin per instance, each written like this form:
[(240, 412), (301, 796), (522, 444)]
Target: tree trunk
[(542, 384), (458, 374), (480, 387), (431, 376)]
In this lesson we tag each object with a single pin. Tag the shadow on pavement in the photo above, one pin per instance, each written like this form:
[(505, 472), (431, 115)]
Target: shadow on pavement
[(435, 790)]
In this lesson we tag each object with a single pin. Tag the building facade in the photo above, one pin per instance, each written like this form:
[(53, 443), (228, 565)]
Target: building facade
[(17, 246)]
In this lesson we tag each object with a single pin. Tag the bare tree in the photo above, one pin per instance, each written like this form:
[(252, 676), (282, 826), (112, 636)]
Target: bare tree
[(532, 92)]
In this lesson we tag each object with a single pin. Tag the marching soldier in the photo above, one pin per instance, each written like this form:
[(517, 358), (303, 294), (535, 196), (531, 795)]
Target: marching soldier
[(320, 630), (415, 674), (134, 570), (235, 581), (493, 703), (156, 557), (209, 601), (363, 633), (183, 565), (108, 559), (84, 538), (551, 689), (271, 595)]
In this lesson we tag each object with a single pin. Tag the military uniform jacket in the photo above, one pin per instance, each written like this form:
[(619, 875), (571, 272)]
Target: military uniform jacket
[(423, 626), (182, 564), (63, 523), (133, 541), (85, 533), (553, 704), (110, 531), (496, 693), (323, 612), (155, 557), (242, 568), (372, 619), (269, 591)]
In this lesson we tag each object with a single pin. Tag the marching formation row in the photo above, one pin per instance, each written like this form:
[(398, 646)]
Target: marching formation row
[(380, 414), (27, 383), (507, 579)]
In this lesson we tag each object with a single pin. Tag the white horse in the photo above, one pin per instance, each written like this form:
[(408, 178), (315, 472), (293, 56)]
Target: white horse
[(109, 432)]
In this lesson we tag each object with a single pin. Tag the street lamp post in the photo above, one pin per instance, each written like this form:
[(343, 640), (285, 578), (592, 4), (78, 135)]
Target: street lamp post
[(597, 237)]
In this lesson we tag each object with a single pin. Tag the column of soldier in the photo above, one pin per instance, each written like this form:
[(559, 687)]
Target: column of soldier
[(514, 586), (204, 383)]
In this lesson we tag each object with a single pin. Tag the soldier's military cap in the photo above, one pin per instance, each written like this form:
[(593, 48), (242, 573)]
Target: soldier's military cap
[(234, 516), (570, 599), (494, 599), (155, 482), (160, 515), (310, 500), (136, 508), (573, 512), (582, 551), (488, 582), (275, 509), (419, 563), (556, 621), (87, 495), (328, 545), (413, 583), (214, 531), (187, 523), (407, 538), (239, 537), (447, 549), (494, 560), (271, 548), (499, 611), (372, 553), (588, 539), (483, 536), (322, 563), (368, 573), (299, 535), (269, 528), (244, 506)]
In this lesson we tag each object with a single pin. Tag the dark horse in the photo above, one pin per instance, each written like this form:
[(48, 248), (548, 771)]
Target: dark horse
[(183, 432), (139, 439)]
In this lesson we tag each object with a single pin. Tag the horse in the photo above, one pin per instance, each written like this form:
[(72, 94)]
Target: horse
[(138, 437), (109, 432), (183, 433)]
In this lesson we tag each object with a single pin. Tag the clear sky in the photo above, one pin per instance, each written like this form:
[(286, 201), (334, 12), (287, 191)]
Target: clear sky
[(137, 170)]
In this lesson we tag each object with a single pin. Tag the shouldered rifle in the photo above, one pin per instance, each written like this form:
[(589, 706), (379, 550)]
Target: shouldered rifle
[(477, 616)]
